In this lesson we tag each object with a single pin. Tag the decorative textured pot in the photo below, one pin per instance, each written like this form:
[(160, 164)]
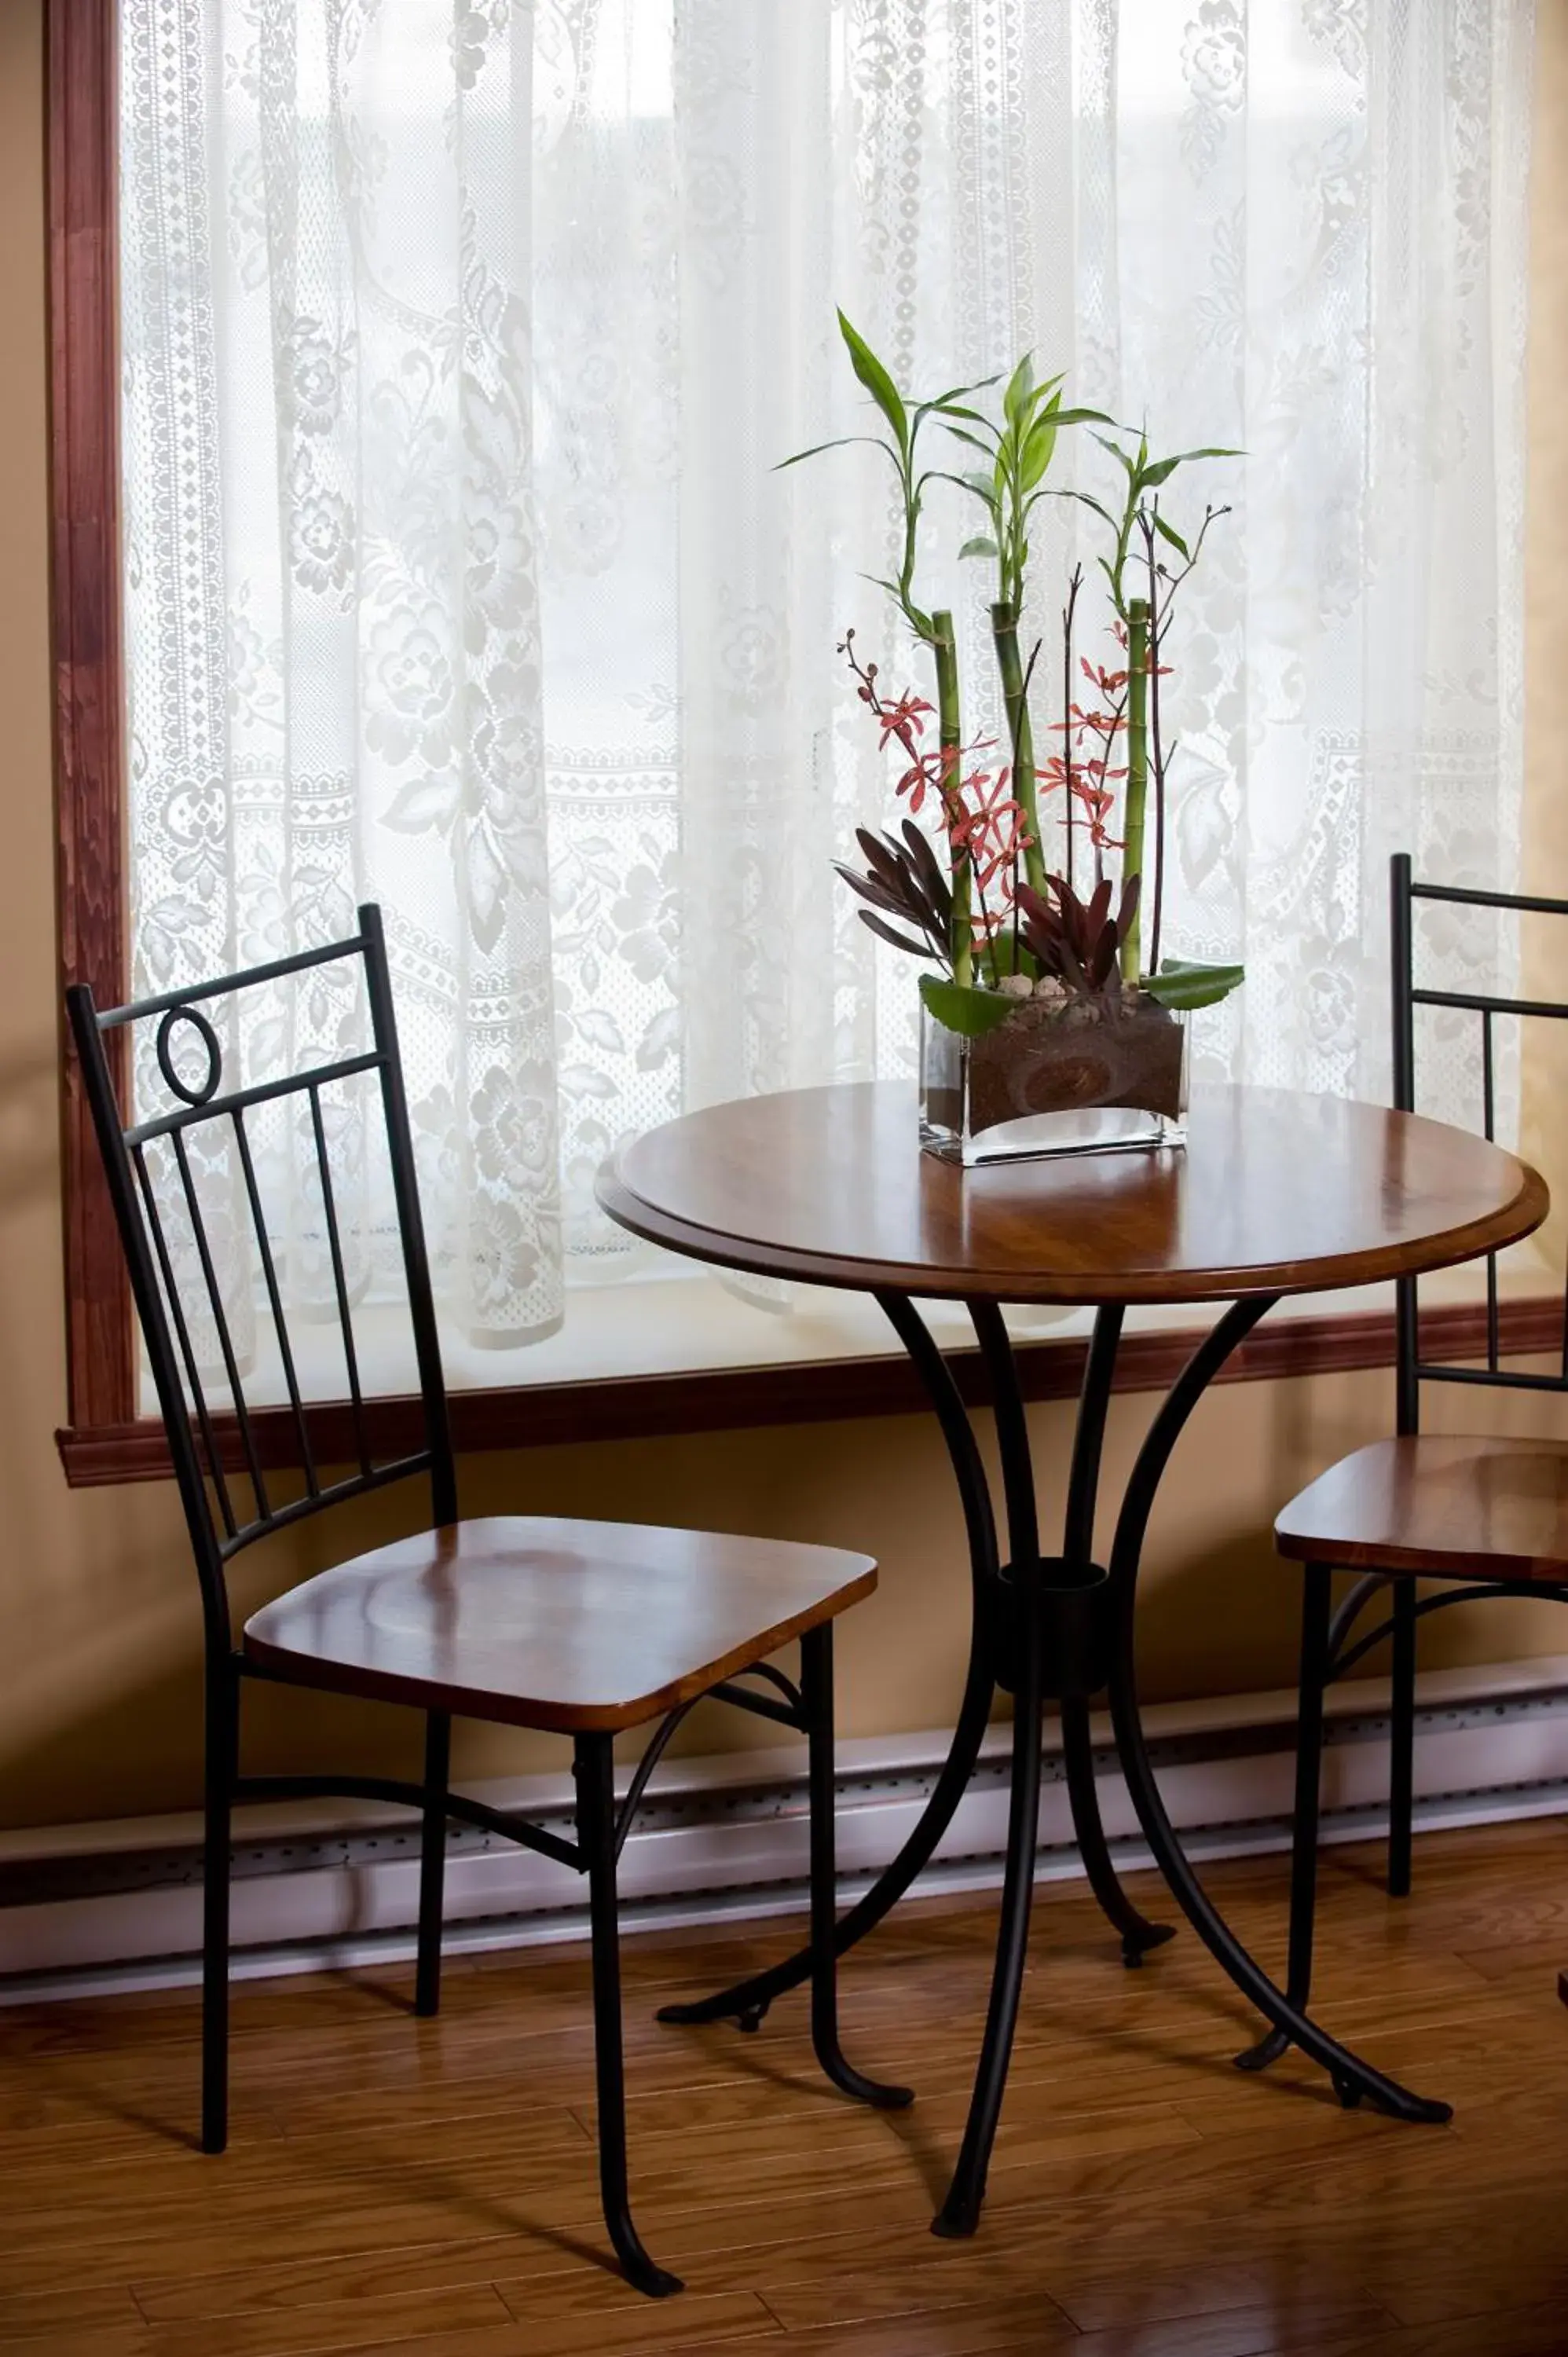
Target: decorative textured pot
[(1055, 1079)]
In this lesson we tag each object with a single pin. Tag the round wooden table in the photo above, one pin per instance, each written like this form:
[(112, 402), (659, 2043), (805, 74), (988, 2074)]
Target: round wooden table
[(1277, 1193)]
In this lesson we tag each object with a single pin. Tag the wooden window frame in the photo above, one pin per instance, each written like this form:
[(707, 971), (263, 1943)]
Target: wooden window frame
[(106, 1440)]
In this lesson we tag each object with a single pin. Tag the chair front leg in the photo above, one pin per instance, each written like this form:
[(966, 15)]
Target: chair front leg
[(432, 1860), (817, 1695), (593, 1767), (222, 1752), (1401, 1741), (1314, 1683)]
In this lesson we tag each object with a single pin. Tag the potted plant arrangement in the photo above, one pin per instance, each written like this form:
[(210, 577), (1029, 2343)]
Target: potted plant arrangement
[(1050, 1021)]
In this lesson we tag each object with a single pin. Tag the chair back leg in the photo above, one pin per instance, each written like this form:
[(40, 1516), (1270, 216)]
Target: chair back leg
[(1313, 1685), (1401, 1741), (432, 1860), (221, 1764), (594, 1767), (817, 1697)]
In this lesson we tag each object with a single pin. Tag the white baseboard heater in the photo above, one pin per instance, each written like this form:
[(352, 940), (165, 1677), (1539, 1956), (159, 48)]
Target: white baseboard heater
[(720, 1838)]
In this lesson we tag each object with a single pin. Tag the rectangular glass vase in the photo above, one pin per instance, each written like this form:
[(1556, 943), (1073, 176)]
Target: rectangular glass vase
[(1078, 1079)]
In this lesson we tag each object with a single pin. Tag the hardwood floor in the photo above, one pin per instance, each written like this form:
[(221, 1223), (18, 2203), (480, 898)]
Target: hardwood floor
[(427, 2188)]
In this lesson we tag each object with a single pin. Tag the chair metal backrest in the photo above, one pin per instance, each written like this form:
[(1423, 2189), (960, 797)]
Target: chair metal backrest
[(1412, 1369), (218, 1529)]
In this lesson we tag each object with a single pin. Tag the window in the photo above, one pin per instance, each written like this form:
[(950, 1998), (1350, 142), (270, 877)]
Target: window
[(458, 349)]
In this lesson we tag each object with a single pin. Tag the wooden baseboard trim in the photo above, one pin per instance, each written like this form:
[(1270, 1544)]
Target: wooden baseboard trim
[(731, 1399)]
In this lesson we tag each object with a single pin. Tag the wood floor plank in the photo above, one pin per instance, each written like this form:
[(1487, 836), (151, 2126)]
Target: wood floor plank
[(428, 2188), (35, 2316)]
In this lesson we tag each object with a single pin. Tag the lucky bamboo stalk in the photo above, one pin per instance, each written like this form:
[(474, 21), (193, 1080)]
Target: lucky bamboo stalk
[(1156, 747), (1020, 730), (1137, 770), (944, 651)]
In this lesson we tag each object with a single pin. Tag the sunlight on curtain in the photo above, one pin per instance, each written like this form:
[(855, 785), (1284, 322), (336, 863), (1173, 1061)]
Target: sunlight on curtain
[(460, 340)]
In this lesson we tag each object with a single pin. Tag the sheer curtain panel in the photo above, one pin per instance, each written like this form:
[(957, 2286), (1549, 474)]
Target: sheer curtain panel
[(461, 338)]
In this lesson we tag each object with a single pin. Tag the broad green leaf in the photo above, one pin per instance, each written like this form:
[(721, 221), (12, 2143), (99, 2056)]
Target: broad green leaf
[(1168, 532), (1117, 453), (1082, 417), (974, 417), (841, 442), (1019, 387), (877, 381), (1003, 954), (978, 546), (1181, 985), (971, 1013)]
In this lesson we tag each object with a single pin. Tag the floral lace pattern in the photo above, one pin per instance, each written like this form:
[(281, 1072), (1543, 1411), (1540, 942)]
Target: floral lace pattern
[(460, 343)]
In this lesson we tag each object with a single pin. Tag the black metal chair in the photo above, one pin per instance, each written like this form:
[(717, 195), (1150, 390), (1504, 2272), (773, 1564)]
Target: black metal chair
[(581, 1628), (1488, 1517)]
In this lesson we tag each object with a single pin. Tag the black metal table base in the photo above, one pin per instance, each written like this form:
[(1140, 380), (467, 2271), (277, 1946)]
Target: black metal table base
[(1058, 1628)]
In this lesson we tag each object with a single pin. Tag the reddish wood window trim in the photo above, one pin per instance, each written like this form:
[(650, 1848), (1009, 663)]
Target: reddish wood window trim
[(821, 1391), (84, 547), (106, 1440)]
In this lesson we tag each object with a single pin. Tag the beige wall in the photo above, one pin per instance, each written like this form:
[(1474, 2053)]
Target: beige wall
[(99, 1695)]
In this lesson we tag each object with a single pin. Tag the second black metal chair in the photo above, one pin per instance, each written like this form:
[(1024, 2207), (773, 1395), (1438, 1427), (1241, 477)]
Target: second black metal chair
[(584, 1629), (1484, 1516)]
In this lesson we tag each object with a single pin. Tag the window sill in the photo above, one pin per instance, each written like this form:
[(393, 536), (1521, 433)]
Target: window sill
[(816, 1367)]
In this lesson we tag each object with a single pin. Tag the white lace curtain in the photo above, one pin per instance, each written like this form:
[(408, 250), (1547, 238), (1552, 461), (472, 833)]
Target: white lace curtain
[(460, 338)]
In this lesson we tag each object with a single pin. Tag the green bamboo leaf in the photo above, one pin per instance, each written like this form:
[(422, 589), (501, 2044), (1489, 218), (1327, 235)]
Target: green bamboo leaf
[(1019, 387), (1039, 447), (943, 406), (841, 441), (1048, 390), (978, 546), (1084, 499), (972, 440), (1168, 532), (971, 1013), (1164, 468), (877, 381), (1118, 454), (977, 486)]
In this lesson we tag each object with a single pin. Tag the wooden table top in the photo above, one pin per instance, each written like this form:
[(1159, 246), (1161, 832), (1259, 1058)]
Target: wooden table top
[(1277, 1192)]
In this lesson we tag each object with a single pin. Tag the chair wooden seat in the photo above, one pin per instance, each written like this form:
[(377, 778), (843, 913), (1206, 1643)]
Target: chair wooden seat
[(1467, 1508), (540, 1622)]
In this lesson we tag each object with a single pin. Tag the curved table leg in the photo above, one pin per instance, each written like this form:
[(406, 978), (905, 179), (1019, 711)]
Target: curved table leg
[(749, 2000), (1049, 1610), (1138, 1934), (1353, 2079), (959, 2212)]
